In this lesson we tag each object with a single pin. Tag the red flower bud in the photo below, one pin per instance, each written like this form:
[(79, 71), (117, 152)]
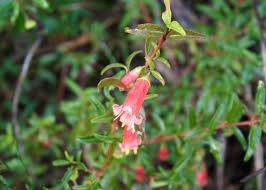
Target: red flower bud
[(128, 112), (163, 153), (130, 77), (140, 174), (46, 143), (202, 177)]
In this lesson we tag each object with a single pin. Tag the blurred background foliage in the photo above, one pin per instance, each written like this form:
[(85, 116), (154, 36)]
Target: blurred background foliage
[(210, 83)]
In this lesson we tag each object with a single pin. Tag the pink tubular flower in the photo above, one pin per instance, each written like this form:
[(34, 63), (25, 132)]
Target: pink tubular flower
[(163, 153), (202, 177), (128, 112), (131, 76), (130, 141), (140, 174)]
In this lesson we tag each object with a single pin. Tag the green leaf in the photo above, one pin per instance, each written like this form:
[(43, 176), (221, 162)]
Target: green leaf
[(68, 174), (240, 137), (158, 53), (144, 29), (102, 119), (150, 27), (180, 165), (75, 175), (60, 163), (253, 139), (167, 17), (215, 149), (151, 96), (148, 45), (16, 11), (80, 187), (29, 24), (177, 28), (69, 157), (157, 184), (150, 63), (20, 22), (79, 156), (164, 61), (41, 3), (131, 56), (113, 65), (167, 14), (192, 118), (96, 138), (110, 82), (158, 76), (4, 183), (74, 87), (99, 107), (159, 121), (260, 98), (235, 109), (190, 35)]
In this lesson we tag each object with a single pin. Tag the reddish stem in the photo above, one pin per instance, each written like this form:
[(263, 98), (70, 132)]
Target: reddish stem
[(160, 139), (145, 12), (159, 45), (61, 87), (239, 124)]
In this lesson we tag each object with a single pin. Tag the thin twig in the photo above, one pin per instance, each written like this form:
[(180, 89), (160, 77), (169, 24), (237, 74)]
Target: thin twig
[(158, 47), (61, 87), (22, 76), (67, 46), (245, 179), (239, 124), (75, 43), (161, 138), (145, 12)]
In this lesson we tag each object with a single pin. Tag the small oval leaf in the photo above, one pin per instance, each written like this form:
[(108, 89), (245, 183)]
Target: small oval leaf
[(164, 61), (167, 14), (260, 98), (150, 27), (158, 76), (151, 96), (144, 29), (96, 138), (177, 28), (42, 3), (102, 119), (254, 138), (150, 63), (148, 45), (190, 35), (110, 81), (166, 17), (113, 65), (60, 163)]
